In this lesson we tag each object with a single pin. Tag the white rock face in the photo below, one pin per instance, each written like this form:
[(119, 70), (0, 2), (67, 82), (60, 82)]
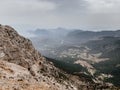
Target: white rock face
[(2, 54), (85, 64)]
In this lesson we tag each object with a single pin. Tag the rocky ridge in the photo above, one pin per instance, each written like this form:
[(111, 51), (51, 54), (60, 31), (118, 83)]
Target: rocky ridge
[(23, 68)]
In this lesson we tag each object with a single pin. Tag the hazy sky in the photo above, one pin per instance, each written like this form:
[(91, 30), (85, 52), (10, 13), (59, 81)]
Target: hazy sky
[(83, 14)]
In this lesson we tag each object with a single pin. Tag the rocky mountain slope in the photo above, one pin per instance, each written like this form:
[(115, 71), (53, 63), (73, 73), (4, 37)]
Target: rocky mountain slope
[(109, 47), (23, 68)]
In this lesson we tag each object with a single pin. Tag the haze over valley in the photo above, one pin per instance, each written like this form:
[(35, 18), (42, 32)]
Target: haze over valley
[(88, 53), (60, 45)]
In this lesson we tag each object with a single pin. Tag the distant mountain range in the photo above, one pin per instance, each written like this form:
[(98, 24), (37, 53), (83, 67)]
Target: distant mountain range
[(67, 36), (94, 55), (84, 36)]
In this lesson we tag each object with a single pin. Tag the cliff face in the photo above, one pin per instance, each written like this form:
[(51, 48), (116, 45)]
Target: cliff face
[(23, 68)]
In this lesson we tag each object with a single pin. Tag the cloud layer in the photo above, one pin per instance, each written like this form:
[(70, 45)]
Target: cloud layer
[(104, 6), (84, 14)]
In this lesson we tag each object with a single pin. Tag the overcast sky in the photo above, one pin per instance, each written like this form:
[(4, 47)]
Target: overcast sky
[(80, 14)]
